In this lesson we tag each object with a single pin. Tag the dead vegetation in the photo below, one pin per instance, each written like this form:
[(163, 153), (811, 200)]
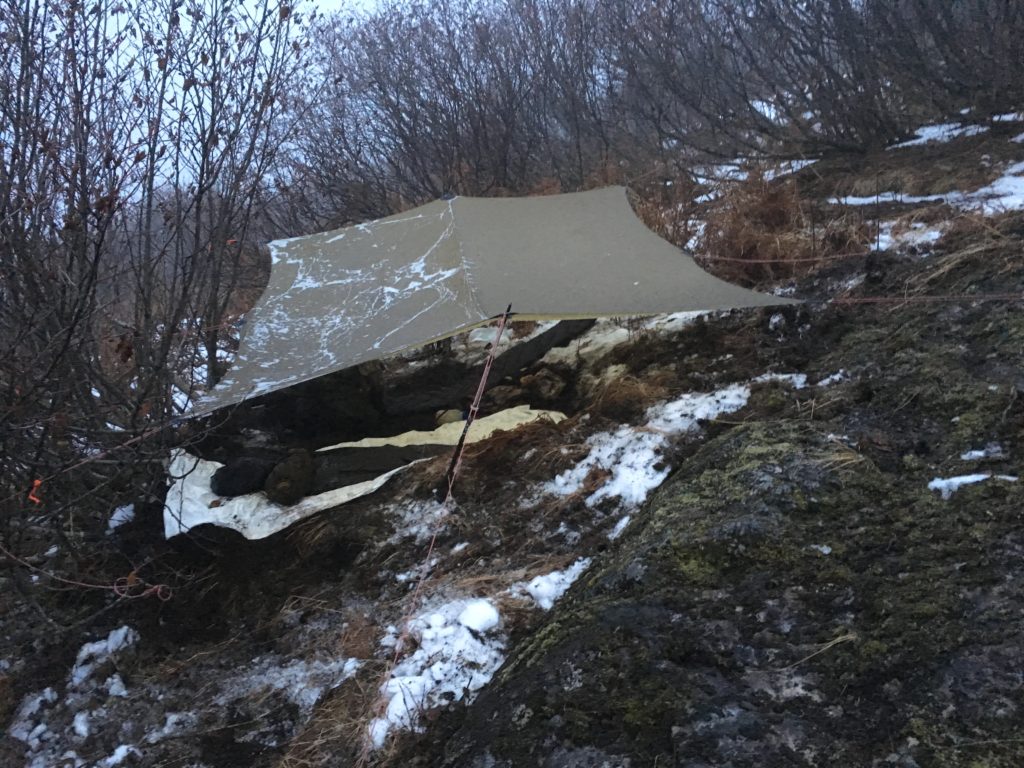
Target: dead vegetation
[(963, 164), (625, 398), (762, 231), (971, 237)]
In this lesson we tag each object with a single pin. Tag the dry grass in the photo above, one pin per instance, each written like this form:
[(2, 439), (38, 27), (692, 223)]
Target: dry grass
[(336, 733), (307, 536), (841, 458), (760, 231), (665, 203), (626, 398), (964, 164), (998, 240), (530, 452)]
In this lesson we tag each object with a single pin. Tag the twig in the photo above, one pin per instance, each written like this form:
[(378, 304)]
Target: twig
[(830, 644)]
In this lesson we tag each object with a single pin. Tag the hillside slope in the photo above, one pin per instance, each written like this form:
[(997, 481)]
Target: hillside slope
[(793, 538)]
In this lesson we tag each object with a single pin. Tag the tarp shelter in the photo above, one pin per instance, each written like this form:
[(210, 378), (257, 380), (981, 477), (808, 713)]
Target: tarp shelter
[(340, 298)]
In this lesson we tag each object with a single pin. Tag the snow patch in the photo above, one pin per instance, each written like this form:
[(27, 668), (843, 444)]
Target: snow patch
[(795, 380), (302, 681), (122, 753), (620, 526), (81, 724), (940, 134), (479, 616), (418, 520), (947, 486), (1004, 194), (632, 456), (174, 724), (835, 378), (546, 590), (990, 451), (92, 655), (115, 686), (918, 235), (457, 653), (24, 724)]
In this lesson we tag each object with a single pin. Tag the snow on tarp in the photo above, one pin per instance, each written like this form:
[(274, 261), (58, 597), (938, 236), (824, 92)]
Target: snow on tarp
[(337, 299), (191, 501)]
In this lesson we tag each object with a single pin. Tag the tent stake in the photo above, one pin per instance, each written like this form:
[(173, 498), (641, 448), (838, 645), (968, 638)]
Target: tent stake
[(456, 462)]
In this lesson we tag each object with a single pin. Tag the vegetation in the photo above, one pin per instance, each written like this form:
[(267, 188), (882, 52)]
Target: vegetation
[(147, 153)]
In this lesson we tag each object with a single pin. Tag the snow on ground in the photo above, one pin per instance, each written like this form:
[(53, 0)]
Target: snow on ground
[(122, 753), (47, 744), (96, 715), (459, 647), (917, 235), (417, 519), (835, 378), (990, 451), (92, 655), (947, 486), (547, 589), (712, 174), (1004, 194), (787, 167), (940, 133), (716, 176), (795, 380), (620, 526), (632, 456), (302, 681)]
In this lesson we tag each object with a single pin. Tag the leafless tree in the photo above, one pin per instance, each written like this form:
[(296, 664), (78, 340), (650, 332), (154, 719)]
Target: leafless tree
[(138, 151)]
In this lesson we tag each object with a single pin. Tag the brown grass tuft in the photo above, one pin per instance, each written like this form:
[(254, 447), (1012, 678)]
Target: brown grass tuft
[(336, 733), (760, 231), (625, 398)]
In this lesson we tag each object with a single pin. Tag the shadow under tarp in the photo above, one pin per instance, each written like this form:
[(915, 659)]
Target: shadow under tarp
[(365, 459), (343, 473)]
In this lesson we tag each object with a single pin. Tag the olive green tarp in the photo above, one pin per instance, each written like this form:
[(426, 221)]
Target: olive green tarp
[(340, 298)]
